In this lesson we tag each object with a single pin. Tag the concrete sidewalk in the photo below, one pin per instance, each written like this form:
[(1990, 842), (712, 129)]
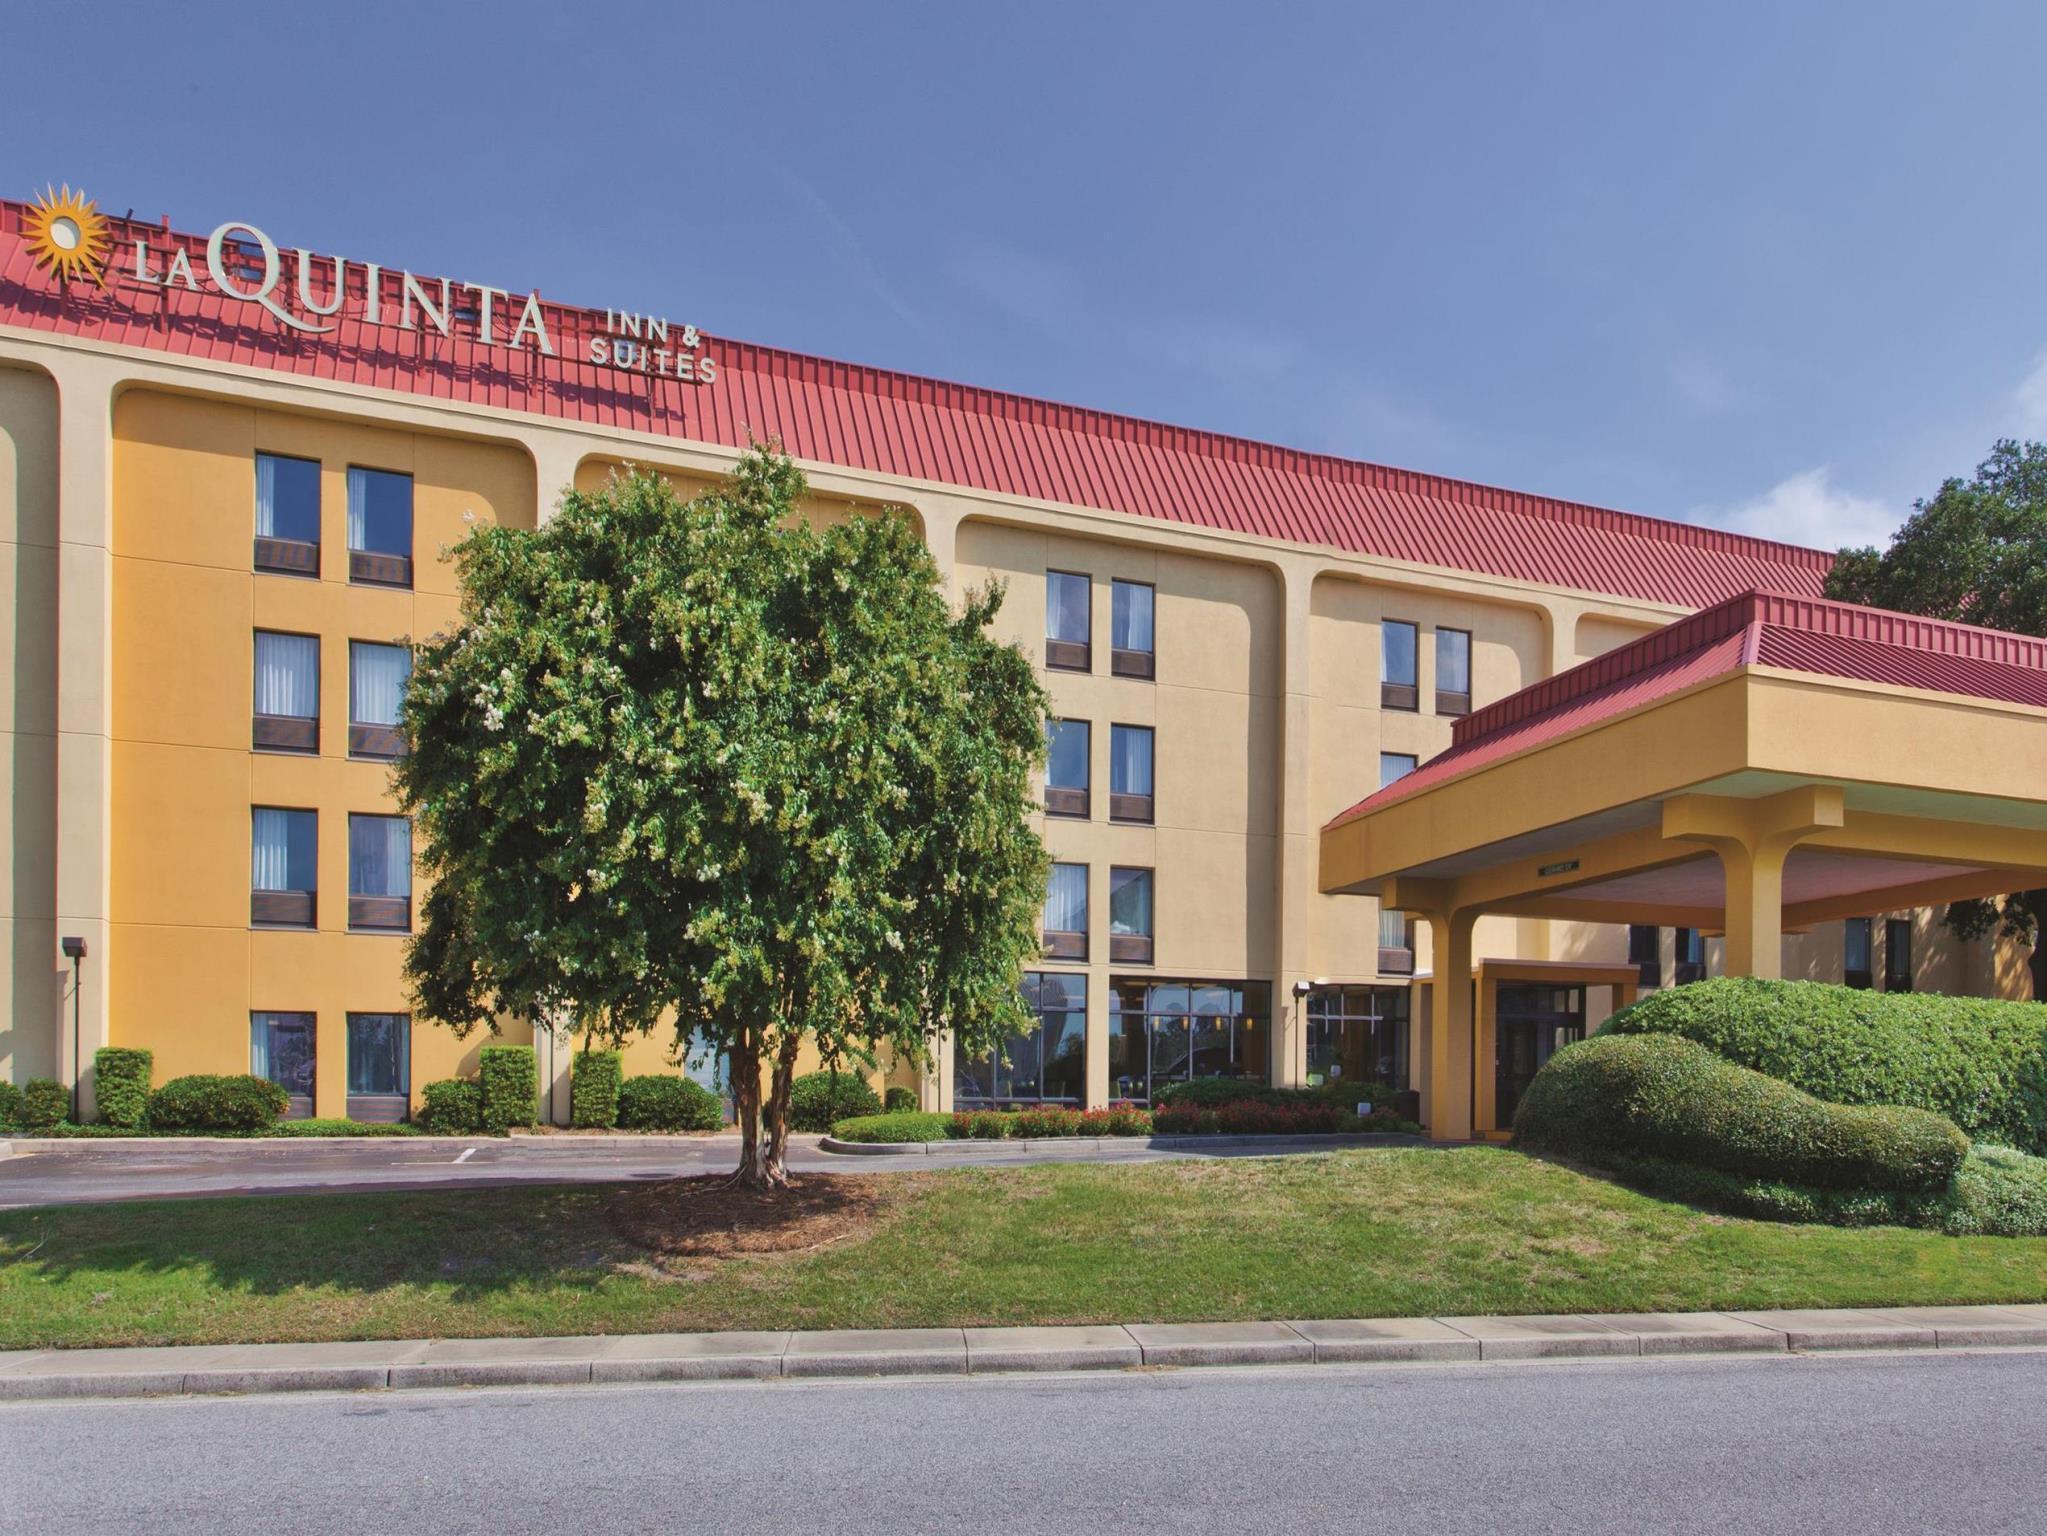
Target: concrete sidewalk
[(244, 1368)]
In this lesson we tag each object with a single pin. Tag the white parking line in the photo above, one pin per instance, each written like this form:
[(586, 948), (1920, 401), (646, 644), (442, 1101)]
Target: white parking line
[(467, 1153)]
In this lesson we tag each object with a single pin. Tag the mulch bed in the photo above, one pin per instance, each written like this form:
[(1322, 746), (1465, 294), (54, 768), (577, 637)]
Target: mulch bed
[(707, 1218)]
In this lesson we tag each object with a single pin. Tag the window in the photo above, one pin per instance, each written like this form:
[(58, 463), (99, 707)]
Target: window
[(1395, 765), (1130, 773), (1130, 641), (1691, 956), (1399, 687), (379, 527), (1396, 942), (283, 882), (1855, 952), (1358, 1035), (1130, 916), (281, 1049), (287, 515), (379, 1066), (1067, 623), (1645, 953), (377, 675), (1047, 1063), (1066, 912), (287, 703), (380, 873), (1066, 768), (1898, 954), (1174, 1031), (1453, 672)]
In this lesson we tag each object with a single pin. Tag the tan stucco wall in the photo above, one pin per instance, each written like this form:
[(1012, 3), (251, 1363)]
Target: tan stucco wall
[(34, 977)]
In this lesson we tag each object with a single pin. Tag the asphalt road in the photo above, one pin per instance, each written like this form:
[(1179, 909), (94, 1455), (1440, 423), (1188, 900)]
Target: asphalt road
[(134, 1170), (1948, 1442)]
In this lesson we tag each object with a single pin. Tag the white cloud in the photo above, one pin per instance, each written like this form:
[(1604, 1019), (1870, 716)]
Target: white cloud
[(1807, 508), (2031, 399)]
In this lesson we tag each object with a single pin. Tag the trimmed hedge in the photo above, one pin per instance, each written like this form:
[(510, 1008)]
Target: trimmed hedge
[(204, 1102), (1659, 1096), (120, 1085), (10, 1106), (44, 1104), (899, 1101), (451, 1107), (903, 1125), (660, 1103), (593, 1090), (819, 1100), (1980, 1062), (510, 1086)]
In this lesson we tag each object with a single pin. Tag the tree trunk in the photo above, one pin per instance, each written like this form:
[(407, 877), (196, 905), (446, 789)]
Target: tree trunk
[(779, 1090), (745, 1068), (2036, 963)]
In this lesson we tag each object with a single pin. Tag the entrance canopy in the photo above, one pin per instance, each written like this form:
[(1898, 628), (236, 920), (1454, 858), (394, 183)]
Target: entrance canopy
[(1766, 764)]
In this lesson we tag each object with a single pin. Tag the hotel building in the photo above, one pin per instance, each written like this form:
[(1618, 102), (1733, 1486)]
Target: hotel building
[(230, 473)]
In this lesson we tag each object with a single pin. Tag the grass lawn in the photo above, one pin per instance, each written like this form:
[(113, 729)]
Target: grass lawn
[(1381, 1232)]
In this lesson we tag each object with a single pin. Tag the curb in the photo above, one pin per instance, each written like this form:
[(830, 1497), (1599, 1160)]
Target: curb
[(28, 1375), (1103, 1143), (118, 1144)]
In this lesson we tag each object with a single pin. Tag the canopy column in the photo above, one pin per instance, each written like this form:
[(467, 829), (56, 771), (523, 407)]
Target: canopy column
[(1452, 1029)]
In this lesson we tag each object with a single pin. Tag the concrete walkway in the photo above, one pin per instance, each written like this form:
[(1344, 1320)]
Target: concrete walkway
[(249, 1368)]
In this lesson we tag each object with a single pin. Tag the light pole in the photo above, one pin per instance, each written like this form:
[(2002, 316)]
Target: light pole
[(1301, 989), (74, 951)]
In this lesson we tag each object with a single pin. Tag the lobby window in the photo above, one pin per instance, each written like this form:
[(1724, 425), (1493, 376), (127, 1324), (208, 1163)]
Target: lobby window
[(287, 694), (1645, 953), (1856, 967), (1130, 639), (287, 515), (1453, 672), (1130, 753), (1399, 684), (1067, 745), (379, 1066), (1898, 954), (1130, 916), (377, 675), (1045, 1064), (281, 1050), (380, 873), (1175, 1031), (379, 527), (1068, 626), (1691, 956), (283, 878), (1066, 912), (1358, 1035)]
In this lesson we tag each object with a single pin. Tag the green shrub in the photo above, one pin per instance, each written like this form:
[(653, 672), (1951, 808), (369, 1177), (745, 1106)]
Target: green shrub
[(10, 1106), (44, 1104), (902, 1125), (203, 1102), (660, 1103), (339, 1126), (120, 1085), (1980, 1062), (451, 1107), (1659, 1096), (510, 1086), (593, 1089), (818, 1100), (899, 1101)]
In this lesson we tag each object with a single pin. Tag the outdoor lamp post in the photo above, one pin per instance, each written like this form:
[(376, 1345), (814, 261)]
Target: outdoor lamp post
[(74, 951)]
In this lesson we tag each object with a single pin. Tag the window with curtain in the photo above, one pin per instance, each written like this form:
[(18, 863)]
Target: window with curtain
[(1395, 765), (1130, 628), (1066, 911), (379, 1054), (1130, 913), (287, 675), (281, 1050), (379, 512), (1398, 679), (379, 856), (1453, 672), (1130, 760), (1067, 745), (287, 499), (377, 675), (1067, 624), (286, 850)]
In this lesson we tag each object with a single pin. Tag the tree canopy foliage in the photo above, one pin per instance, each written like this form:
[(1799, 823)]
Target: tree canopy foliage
[(702, 767)]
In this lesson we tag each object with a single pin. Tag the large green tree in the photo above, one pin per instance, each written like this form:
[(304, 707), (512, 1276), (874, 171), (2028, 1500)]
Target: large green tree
[(702, 767), (1975, 552)]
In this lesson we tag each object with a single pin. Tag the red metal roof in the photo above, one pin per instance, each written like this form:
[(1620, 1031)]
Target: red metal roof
[(899, 424), (1771, 629)]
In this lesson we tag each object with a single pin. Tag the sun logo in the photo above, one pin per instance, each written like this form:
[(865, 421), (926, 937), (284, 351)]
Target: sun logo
[(67, 235)]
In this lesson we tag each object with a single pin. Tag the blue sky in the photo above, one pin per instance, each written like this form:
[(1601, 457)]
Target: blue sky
[(1776, 267)]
